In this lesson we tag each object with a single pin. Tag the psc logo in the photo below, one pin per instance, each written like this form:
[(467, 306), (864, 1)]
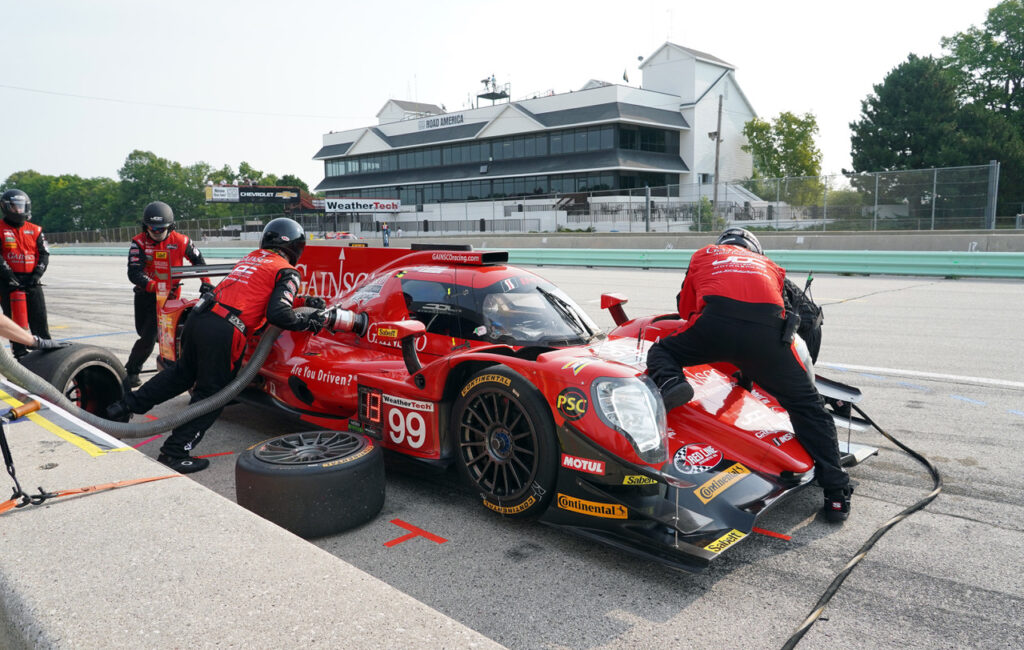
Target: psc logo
[(572, 403)]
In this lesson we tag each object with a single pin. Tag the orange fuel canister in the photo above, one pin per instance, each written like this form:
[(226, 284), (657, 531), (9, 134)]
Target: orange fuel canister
[(19, 308)]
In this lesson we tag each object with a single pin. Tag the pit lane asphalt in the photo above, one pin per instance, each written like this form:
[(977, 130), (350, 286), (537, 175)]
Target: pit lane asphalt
[(948, 577)]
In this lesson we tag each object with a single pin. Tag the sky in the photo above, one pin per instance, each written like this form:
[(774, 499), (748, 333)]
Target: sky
[(82, 84)]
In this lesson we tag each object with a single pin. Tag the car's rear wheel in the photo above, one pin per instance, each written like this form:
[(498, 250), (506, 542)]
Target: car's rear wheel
[(505, 440), (314, 483), (90, 376)]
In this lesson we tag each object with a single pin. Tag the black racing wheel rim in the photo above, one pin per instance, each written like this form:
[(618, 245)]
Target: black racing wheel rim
[(310, 448), (93, 387), (499, 444)]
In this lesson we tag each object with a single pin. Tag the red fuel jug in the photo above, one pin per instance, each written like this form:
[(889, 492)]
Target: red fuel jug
[(19, 308)]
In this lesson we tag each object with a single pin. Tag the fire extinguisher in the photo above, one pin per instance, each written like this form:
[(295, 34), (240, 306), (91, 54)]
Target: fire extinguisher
[(19, 308)]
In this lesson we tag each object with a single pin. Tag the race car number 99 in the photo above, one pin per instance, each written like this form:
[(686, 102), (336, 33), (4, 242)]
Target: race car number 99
[(407, 420)]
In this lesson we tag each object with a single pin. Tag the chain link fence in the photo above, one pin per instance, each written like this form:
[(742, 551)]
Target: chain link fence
[(948, 198)]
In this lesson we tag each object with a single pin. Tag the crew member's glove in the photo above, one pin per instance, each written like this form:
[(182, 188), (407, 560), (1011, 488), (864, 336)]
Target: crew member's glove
[(47, 344), (316, 302), (15, 285), (314, 322), (205, 287), (742, 380)]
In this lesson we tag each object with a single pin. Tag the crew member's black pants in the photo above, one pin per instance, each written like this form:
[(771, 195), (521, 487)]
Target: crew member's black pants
[(759, 352), (208, 363), (37, 322), (145, 327)]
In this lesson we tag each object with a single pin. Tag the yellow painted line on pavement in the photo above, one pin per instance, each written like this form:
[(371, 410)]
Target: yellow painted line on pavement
[(78, 441)]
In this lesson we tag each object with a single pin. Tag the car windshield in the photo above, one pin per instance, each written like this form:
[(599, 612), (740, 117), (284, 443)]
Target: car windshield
[(531, 313)]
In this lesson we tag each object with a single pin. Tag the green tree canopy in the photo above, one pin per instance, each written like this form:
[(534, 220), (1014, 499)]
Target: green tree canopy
[(783, 147)]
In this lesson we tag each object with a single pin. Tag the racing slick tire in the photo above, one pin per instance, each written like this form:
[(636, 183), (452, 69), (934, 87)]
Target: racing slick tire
[(90, 376), (505, 442), (313, 483)]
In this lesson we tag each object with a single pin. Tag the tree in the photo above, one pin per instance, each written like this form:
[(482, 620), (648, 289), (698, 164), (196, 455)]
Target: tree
[(146, 177), (291, 180), (784, 147), (908, 120), (989, 62)]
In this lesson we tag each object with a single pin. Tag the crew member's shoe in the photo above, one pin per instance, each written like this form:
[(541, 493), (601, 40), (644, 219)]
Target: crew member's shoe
[(118, 412), (837, 504), (184, 464), (677, 395), (132, 380)]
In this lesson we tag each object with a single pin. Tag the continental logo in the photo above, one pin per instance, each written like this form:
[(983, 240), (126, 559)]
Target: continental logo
[(511, 510), (721, 482), (638, 479), (592, 508), (387, 332), (348, 459), (504, 381), (725, 541)]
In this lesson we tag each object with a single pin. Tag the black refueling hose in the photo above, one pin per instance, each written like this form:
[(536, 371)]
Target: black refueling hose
[(838, 580)]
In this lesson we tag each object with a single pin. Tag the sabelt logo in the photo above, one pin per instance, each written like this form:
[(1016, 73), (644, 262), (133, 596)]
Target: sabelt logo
[(721, 482), (511, 510), (592, 508), (583, 464), (504, 381), (387, 333), (725, 541), (161, 255), (638, 479)]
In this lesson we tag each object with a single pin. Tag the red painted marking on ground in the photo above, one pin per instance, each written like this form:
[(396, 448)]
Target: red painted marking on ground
[(223, 453), (151, 417), (413, 532), (147, 441), (770, 533)]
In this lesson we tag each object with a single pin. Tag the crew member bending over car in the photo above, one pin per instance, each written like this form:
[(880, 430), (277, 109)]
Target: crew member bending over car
[(23, 261), (732, 301), (261, 287), (157, 235)]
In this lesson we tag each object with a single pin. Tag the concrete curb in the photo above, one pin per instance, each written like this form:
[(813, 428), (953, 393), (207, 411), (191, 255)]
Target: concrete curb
[(172, 564)]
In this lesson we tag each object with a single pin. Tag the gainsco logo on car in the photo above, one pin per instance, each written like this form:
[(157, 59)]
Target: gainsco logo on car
[(583, 464), (571, 403), (696, 458)]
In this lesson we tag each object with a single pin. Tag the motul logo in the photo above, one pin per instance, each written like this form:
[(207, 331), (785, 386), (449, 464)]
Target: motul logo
[(583, 464)]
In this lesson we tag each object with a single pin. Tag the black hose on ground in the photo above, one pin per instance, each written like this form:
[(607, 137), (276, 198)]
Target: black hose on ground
[(819, 607), (33, 383)]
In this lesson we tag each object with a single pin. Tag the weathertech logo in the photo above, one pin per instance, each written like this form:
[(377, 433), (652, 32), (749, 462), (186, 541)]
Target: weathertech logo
[(592, 508), (721, 482), (725, 541), (583, 464)]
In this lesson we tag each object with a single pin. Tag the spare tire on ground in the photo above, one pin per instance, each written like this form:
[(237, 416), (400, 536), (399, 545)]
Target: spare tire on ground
[(88, 375), (314, 483)]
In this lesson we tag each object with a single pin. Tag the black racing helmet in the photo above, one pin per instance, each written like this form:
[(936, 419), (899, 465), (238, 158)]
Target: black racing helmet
[(285, 235), (741, 237), (158, 216), (16, 206)]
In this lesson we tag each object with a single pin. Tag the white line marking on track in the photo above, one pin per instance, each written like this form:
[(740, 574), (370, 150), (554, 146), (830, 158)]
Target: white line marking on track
[(900, 372)]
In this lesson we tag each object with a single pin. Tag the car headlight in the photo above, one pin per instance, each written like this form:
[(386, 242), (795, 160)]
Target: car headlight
[(631, 406)]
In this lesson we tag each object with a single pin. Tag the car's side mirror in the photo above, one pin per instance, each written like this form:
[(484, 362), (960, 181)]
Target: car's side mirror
[(405, 333), (613, 302)]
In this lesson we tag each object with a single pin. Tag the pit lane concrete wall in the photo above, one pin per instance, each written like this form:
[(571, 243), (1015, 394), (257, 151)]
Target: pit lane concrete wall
[(171, 564)]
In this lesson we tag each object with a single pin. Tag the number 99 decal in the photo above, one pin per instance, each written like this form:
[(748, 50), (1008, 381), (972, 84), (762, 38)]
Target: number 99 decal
[(408, 428), (410, 422)]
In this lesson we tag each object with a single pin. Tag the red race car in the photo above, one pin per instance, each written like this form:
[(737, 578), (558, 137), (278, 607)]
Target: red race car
[(451, 356)]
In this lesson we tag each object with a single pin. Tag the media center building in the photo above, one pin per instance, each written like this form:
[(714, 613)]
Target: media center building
[(612, 139)]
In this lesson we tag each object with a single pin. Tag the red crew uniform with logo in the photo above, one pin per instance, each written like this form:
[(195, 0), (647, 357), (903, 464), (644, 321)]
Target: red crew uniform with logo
[(142, 252), (260, 288), (23, 260), (732, 300)]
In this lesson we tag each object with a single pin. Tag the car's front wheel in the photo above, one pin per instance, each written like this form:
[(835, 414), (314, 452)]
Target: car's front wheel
[(505, 438)]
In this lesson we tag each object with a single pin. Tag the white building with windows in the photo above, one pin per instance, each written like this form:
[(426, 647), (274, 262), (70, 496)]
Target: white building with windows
[(604, 138)]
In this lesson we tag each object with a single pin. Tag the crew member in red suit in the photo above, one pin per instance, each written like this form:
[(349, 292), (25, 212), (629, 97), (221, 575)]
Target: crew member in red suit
[(732, 301), (260, 288), (22, 262), (157, 234)]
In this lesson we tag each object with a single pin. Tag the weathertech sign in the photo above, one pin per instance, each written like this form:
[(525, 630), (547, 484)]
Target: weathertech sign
[(362, 205)]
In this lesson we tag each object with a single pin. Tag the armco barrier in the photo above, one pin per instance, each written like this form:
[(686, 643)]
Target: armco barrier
[(946, 264)]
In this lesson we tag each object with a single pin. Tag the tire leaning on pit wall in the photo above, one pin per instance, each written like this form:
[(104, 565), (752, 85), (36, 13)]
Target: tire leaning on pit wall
[(314, 483), (88, 375)]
